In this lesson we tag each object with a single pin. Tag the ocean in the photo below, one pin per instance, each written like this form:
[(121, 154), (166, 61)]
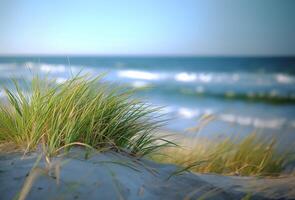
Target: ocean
[(240, 95)]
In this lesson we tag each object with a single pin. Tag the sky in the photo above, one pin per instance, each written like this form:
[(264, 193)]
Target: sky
[(148, 27)]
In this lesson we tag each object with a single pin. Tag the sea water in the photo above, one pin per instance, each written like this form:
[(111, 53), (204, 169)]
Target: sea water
[(240, 95)]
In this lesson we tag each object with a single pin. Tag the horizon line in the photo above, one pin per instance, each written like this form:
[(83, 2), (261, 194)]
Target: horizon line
[(155, 55)]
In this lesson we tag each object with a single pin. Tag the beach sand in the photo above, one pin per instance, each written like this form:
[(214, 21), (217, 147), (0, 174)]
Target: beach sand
[(113, 175)]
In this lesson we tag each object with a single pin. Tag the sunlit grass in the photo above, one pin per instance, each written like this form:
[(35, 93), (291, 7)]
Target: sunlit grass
[(89, 112), (249, 156), (81, 111)]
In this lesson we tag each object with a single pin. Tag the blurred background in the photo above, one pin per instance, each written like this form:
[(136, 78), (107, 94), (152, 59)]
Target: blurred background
[(230, 60)]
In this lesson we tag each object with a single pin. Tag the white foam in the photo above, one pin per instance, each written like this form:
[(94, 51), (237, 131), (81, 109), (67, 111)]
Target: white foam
[(139, 84), (255, 122), (197, 77), (188, 113), (244, 121), (228, 118), (133, 74), (272, 123), (284, 79), (52, 68), (206, 78), (185, 77)]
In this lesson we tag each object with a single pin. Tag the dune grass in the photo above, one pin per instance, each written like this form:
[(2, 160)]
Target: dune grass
[(250, 156), (81, 111), (89, 112)]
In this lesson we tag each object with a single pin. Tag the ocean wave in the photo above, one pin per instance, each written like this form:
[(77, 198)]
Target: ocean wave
[(270, 96), (232, 78), (179, 77), (188, 113), (185, 77), (273, 88), (139, 84), (275, 123), (284, 79), (242, 87), (141, 75), (52, 68), (245, 78), (242, 120)]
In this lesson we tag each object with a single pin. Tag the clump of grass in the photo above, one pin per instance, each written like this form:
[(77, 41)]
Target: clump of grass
[(251, 156), (81, 111)]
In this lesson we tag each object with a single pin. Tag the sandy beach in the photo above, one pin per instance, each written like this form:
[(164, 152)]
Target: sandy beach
[(113, 175)]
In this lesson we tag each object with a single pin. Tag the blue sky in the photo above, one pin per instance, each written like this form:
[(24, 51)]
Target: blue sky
[(148, 27)]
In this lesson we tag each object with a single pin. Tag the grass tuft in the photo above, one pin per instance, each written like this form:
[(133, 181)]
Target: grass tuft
[(89, 112), (251, 156), (81, 111)]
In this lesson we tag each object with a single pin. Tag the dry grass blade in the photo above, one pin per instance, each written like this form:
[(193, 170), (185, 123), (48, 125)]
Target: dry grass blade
[(249, 156)]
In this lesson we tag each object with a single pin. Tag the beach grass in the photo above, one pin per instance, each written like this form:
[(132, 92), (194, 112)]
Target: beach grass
[(249, 156), (81, 111), (89, 112)]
